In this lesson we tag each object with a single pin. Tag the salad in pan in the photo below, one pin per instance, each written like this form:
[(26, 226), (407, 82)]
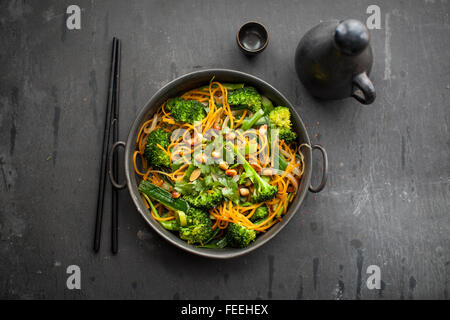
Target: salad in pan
[(218, 165)]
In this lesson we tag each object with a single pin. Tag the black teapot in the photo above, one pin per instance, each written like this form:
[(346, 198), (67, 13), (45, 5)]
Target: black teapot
[(333, 61)]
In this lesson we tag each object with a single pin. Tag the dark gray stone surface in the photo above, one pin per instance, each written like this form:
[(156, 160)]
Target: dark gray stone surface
[(387, 201)]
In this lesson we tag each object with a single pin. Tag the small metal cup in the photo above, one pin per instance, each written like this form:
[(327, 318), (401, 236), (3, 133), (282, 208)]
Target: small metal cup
[(252, 38)]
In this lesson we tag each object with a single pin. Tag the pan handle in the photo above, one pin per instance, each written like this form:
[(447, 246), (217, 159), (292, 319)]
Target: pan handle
[(110, 165), (324, 169)]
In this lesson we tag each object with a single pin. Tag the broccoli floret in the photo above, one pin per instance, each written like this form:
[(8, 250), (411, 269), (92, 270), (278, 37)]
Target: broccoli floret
[(261, 213), (198, 226), (245, 98), (186, 110), (287, 135), (239, 236), (205, 200), (263, 190), (280, 118), (154, 154)]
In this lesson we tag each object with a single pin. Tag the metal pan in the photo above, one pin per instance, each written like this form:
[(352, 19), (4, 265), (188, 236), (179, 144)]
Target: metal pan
[(191, 81)]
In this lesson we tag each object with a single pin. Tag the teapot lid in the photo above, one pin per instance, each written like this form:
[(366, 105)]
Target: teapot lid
[(351, 36)]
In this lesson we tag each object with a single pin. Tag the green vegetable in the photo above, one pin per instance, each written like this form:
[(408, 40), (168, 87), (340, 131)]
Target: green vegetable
[(282, 164), (251, 148), (280, 119), (261, 121), (287, 135), (206, 169), (194, 188), (245, 98), (194, 225), (239, 236), (230, 188), (171, 225), (263, 191), (177, 164), (211, 243), (198, 193), (181, 218), (266, 104), (155, 156), (162, 196), (258, 118), (205, 200), (187, 111), (198, 228), (250, 122), (216, 244), (189, 171), (184, 187), (260, 214)]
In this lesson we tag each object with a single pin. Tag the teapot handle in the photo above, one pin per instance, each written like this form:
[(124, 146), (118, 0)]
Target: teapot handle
[(363, 83)]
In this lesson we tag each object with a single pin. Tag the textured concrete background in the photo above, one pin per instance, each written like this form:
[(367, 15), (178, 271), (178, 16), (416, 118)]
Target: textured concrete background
[(387, 201)]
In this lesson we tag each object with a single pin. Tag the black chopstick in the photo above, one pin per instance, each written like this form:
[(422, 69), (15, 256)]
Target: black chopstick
[(115, 192), (106, 138)]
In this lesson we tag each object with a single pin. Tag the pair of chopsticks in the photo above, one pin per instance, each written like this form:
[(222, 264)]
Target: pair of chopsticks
[(112, 120)]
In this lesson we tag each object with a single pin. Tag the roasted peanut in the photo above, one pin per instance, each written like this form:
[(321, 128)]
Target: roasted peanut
[(244, 192), (223, 165), (231, 172)]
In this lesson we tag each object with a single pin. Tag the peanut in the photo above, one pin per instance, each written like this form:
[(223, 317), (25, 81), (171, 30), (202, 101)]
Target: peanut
[(223, 165), (231, 172), (244, 192)]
